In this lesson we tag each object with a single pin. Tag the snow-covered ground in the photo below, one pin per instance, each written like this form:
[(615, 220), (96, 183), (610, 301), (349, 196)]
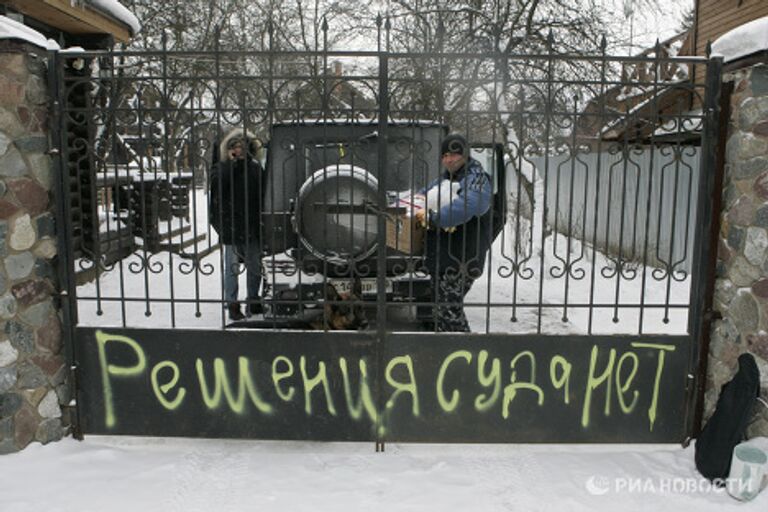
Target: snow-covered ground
[(124, 474)]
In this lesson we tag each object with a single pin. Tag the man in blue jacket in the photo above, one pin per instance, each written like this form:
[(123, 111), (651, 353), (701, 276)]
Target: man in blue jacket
[(459, 231)]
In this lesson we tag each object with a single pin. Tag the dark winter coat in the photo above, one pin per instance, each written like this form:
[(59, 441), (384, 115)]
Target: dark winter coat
[(236, 189)]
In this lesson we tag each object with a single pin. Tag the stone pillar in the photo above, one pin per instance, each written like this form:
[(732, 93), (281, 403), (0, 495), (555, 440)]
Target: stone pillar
[(741, 289), (33, 373)]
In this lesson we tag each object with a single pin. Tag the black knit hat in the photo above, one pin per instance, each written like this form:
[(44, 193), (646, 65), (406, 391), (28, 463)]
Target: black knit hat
[(456, 144)]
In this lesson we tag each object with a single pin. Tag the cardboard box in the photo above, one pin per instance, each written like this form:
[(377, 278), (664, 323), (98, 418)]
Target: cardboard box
[(404, 234)]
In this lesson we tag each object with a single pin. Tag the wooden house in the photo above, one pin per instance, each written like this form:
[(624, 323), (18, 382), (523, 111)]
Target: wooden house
[(635, 113), (713, 18)]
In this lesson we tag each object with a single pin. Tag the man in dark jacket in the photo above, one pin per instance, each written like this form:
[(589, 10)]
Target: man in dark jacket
[(235, 214), (458, 231)]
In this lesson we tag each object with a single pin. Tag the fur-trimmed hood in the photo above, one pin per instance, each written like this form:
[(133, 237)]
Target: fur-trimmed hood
[(255, 146)]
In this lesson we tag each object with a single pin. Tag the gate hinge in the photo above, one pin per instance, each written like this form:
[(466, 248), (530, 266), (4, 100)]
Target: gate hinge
[(689, 381), (74, 375), (72, 406)]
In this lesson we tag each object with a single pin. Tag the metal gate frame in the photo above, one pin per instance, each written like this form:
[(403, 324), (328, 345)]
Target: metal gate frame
[(456, 411)]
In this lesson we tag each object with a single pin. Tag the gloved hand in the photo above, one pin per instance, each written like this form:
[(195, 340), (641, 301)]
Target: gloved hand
[(421, 218), (424, 219)]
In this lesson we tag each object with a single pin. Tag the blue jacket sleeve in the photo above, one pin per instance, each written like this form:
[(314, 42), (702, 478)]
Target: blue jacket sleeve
[(473, 200)]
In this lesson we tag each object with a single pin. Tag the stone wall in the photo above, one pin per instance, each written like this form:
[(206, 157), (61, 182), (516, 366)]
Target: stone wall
[(33, 373), (741, 289)]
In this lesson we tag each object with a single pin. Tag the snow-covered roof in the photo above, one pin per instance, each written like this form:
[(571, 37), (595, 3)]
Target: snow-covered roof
[(742, 41), (118, 11), (10, 29)]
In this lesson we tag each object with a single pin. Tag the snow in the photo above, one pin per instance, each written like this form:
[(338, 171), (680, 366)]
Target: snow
[(126, 474), (10, 29), (742, 41), (633, 286), (117, 11), (73, 49), (691, 121)]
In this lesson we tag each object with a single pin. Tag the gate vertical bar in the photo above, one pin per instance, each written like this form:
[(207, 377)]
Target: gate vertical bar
[(705, 249), (66, 271), (381, 253)]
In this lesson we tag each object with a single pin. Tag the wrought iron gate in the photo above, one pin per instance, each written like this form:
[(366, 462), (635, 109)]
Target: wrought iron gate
[(587, 301)]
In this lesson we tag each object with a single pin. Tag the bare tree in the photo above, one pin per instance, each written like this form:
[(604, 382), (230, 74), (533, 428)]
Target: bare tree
[(453, 89)]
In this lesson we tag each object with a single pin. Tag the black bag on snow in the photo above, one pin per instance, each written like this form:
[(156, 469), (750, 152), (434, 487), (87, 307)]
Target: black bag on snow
[(727, 426)]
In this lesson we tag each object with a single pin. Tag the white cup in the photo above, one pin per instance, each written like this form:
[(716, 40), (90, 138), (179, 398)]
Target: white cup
[(749, 471)]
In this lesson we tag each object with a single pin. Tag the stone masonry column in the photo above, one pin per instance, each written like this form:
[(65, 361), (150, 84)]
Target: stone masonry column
[(33, 373), (741, 288)]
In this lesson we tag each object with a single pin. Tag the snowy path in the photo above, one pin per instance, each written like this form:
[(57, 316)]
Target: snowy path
[(174, 475)]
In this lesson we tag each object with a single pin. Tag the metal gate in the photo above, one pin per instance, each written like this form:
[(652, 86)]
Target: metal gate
[(585, 294)]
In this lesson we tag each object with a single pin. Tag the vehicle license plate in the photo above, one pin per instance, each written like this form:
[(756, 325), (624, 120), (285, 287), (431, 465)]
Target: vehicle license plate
[(368, 285)]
